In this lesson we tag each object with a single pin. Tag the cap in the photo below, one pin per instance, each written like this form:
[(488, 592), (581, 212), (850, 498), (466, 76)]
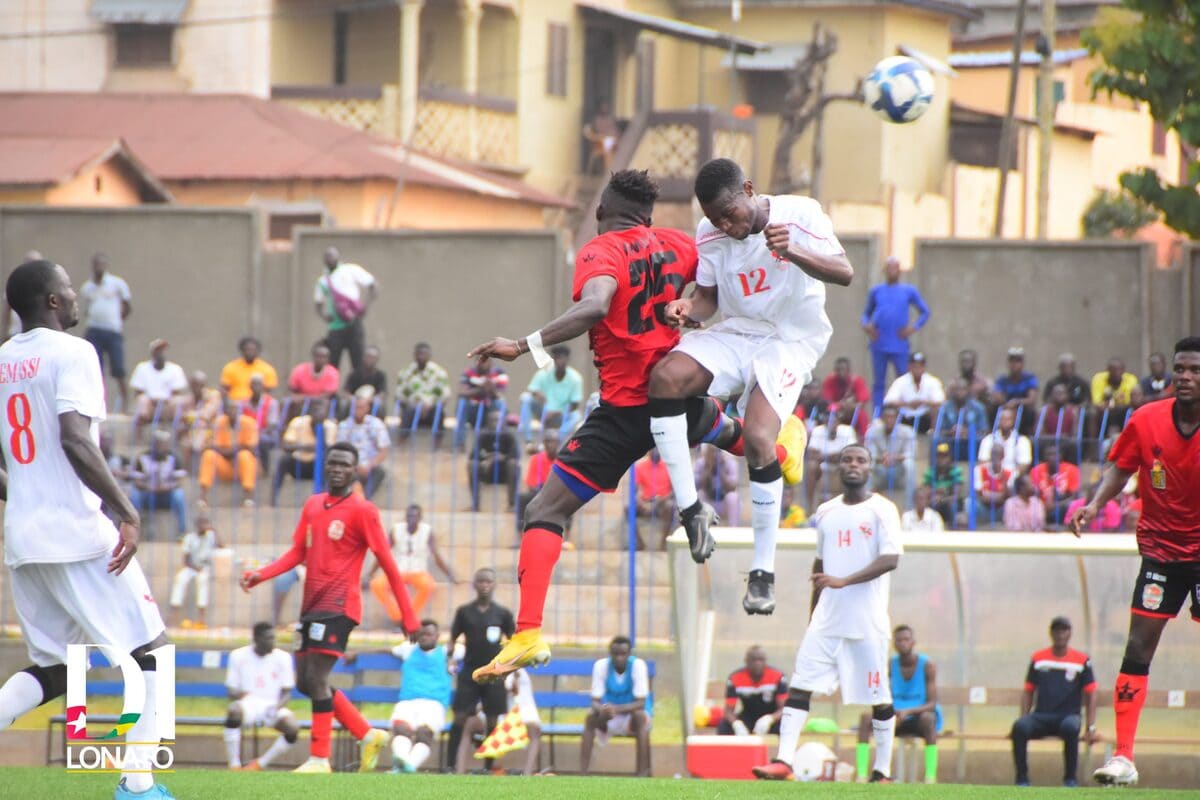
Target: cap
[(1016, 352), (1060, 622), (943, 448), (156, 344), (917, 356), (366, 392)]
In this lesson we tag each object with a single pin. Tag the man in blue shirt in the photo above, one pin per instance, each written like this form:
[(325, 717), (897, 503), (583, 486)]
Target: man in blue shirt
[(621, 704), (1018, 389), (886, 320), (420, 713)]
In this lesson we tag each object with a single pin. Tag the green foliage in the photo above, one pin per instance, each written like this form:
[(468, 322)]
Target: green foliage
[(1115, 212), (1151, 52)]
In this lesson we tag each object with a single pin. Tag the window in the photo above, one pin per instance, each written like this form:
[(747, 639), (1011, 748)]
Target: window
[(556, 59), (144, 45), (1158, 140), (279, 226)]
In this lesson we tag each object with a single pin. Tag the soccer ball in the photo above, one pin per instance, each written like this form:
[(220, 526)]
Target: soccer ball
[(899, 89)]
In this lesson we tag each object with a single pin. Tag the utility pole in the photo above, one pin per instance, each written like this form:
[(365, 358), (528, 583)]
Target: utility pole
[(1004, 154), (1046, 109)]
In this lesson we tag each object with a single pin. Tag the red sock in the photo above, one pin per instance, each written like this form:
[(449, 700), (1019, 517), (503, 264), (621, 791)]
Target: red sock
[(540, 548), (738, 447), (350, 717), (1128, 698), (322, 729)]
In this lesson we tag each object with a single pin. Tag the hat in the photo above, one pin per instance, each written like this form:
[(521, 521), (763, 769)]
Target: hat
[(156, 344), (1060, 622), (917, 356), (1016, 352), (366, 393), (943, 448)]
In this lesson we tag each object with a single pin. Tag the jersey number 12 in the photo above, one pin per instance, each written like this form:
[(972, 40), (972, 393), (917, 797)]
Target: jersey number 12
[(754, 282), (23, 447)]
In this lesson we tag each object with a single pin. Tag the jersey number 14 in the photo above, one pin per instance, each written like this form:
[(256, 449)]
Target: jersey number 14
[(23, 447)]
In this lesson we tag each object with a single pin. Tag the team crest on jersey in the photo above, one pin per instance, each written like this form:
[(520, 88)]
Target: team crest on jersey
[(1152, 596), (1158, 475), (865, 530), (337, 529)]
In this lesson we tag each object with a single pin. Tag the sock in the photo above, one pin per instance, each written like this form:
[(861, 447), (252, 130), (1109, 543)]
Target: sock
[(791, 724), (669, 427), (885, 736), (420, 752), (141, 757), (20, 694), (1129, 696), (401, 747), (736, 447), (233, 747), (322, 727), (740, 729), (456, 732), (350, 717), (277, 748), (862, 759), (931, 763), (541, 546), (766, 495)]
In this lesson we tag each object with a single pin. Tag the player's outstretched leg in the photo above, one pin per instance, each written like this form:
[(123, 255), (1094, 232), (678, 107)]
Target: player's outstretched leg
[(883, 725), (28, 689), (791, 724), (371, 740)]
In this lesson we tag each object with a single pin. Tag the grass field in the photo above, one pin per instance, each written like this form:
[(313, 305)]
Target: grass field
[(43, 783)]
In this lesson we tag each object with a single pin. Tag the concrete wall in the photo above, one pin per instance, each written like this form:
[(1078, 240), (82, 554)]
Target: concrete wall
[(1191, 288), (1167, 313), (845, 304)]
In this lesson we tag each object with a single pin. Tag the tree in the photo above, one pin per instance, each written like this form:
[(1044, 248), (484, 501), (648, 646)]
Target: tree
[(1115, 212), (1151, 52)]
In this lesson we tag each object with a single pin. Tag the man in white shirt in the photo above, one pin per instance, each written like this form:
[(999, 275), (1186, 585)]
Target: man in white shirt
[(158, 385), (342, 296), (824, 447), (198, 546), (73, 575), (107, 303), (621, 704), (763, 263), (917, 394), (1018, 452), (846, 644), (260, 679), (921, 518), (369, 434)]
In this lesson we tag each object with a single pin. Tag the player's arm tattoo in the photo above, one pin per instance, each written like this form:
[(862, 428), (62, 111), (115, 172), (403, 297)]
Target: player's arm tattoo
[(827, 269), (89, 464), (594, 300)]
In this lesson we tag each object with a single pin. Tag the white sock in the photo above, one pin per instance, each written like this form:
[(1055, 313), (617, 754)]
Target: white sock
[(671, 438), (790, 727), (233, 747), (420, 752), (765, 499), (401, 747), (19, 695), (141, 757), (885, 735), (277, 748), (740, 729)]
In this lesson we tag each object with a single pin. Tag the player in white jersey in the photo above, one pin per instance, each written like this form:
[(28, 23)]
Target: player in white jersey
[(846, 644), (260, 679), (764, 263), (74, 577)]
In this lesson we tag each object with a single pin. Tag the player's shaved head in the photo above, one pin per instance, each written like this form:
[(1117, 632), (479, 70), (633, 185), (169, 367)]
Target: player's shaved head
[(1188, 344), (629, 195), (29, 284), (718, 176)]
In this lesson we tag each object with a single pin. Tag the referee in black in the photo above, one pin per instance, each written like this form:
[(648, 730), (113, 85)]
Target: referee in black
[(485, 625)]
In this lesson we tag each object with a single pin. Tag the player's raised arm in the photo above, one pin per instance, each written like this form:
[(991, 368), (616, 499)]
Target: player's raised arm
[(377, 540), (828, 268)]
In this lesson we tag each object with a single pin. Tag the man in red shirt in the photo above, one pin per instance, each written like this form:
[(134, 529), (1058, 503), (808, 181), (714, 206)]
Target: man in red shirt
[(1160, 444), (315, 378), (335, 531), (1057, 482), (849, 391), (655, 500)]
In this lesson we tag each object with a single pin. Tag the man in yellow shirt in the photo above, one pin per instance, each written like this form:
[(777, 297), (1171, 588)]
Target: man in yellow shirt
[(236, 375), (1113, 389), (232, 453)]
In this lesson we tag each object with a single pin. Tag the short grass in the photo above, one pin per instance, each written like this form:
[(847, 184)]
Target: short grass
[(42, 783)]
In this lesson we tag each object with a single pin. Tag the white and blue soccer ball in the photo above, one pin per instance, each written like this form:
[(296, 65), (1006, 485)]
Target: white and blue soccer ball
[(899, 89)]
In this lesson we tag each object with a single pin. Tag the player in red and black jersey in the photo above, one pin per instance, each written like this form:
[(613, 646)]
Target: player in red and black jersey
[(1161, 446), (335, 531), (624, 279), (762, 691)]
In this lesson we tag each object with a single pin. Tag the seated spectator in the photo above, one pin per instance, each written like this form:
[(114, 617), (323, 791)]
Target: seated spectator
[(959, 419), (1060, 422), (201, 406), (1024, 511), (1111, 516), (236, 375), (1112, 391), (621, 704), (537, 471), (945, 479), (1078, 390), (482, 386), (199, 547), (158, 481), (1017, 389), (918, 395), (809, 406), (921, 518), (968, 373), (232, 455), (264, 410), (412, 546), (894, 451), (315, 377), (791, 513), (1018, 452), (369, 435), (717, 475), (655, 498), (849, 392), (1157, 385), (495, 459), (158, 387), (993, 482), (554, 396), (419, 388), (260, 679), (420, 714), (368, 373), (761, 690), (1057, 483), (299, 444), (825, 444)]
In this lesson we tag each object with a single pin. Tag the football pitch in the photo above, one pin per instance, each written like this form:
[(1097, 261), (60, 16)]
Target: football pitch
[(46, 783)]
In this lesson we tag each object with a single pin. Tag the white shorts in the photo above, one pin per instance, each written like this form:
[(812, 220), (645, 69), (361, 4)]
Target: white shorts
[(620, 726), (180, 584), (260, 712), (420, 714), (859, 666), (739, 362), (80, 602)]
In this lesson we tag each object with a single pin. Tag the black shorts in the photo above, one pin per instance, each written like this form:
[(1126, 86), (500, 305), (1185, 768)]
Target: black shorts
[(468, 695), (1163, 587), (324, 635), (613, 437), (911, 726)]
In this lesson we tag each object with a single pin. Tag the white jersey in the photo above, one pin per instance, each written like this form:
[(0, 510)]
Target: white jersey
[(850, 537), (411, 550), (761, 295), (262, 677), (51, 517), (200, 546)]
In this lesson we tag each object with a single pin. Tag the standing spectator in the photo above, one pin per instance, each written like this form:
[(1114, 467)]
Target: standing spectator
[(1157, 384), (342, 296), (968, 373), (299, 444), (483, 385), (761, 690), (1112, 390), (555, 394), (655, 498), (945, 479), (894, 453), (412, 546), (232, 455), (264, 410), (920, 518), (369, 435), (236, 375), (717, 475), (199, 546), (106, 300), (1078, 390), (1055, 685), (962, 420), (1057, 483), (201, 407), (849, 392), (887, 321), (1018, 389), (536, 473), (495, 459), (158, 481), (918, 395), (993, 482), (602, 133), (367, 373), (315, 377), (824, 446), (1018, 452), (621, 704), (156, 385), (1060, 421), (420, 387), (1024, 511)]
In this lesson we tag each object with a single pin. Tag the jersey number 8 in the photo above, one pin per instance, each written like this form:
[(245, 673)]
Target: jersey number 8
[(19, 417)]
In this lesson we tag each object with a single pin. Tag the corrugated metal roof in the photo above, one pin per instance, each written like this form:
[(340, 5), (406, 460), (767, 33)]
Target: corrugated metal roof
[(1002, 58), (672, 27), (144, 12), (776, 58)]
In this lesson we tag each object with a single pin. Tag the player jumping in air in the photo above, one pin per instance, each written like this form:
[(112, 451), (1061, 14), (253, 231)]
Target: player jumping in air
[(1159, 445), (74, 576), (764, 263), (858, 544), (335, 531)]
